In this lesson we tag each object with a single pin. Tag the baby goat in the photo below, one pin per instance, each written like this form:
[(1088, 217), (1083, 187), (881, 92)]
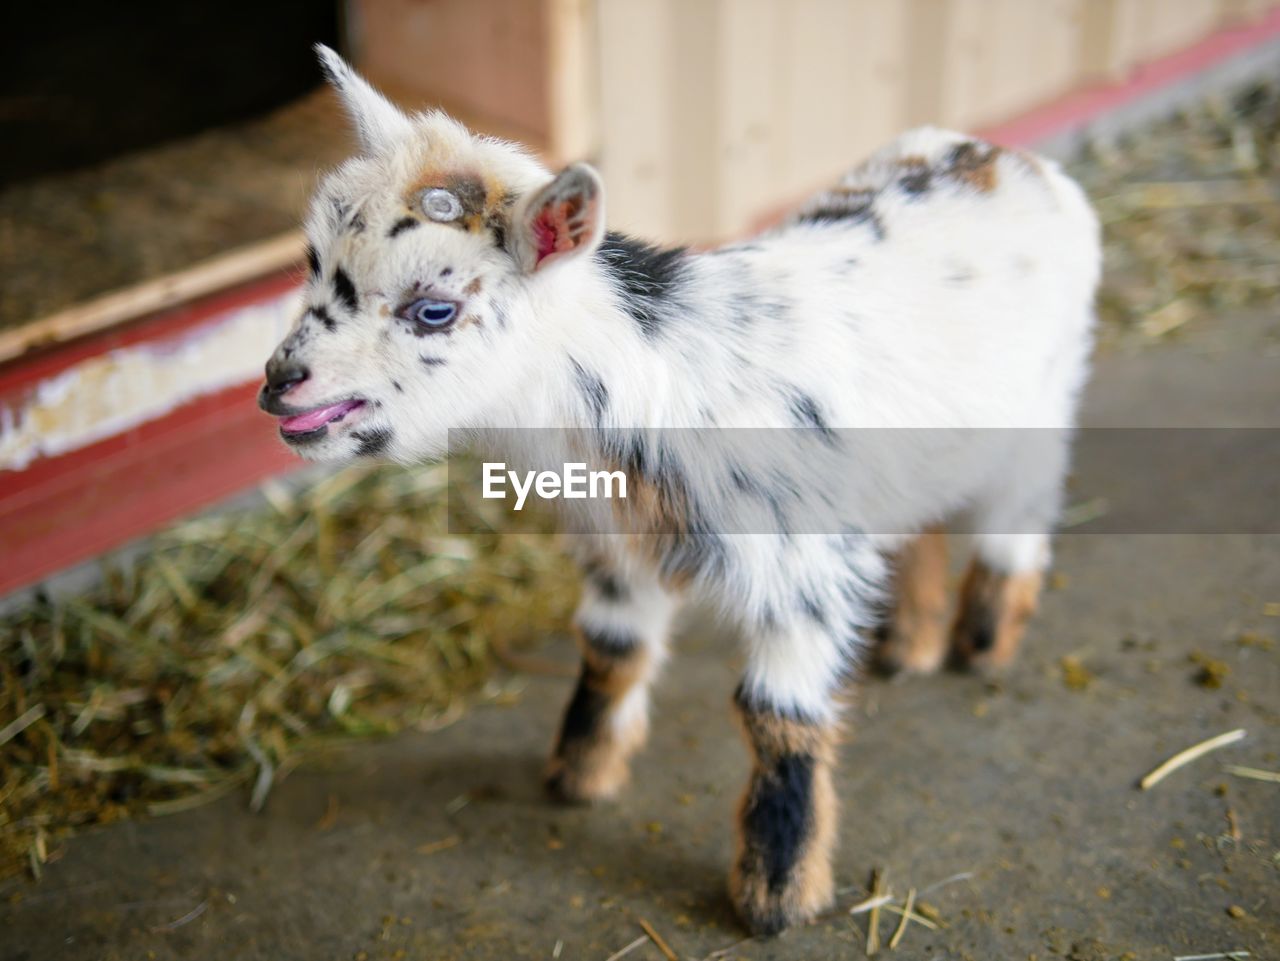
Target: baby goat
[(943, 289)]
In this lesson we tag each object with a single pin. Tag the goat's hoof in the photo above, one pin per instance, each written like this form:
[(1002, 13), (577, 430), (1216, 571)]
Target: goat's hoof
[(767, 909), (983, 663), (973, 652), (575, 784), (895, 658)]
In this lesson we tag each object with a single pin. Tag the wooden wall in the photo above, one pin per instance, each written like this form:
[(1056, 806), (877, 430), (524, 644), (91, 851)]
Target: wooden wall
[(706, 115)]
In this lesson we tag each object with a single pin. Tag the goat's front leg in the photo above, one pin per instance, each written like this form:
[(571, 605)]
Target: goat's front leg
[(787, 819), (622, 624)]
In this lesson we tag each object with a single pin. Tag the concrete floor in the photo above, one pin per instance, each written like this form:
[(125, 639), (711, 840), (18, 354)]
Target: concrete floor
[(438, 846)]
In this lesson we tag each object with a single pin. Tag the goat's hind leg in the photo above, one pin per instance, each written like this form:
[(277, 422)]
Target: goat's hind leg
[(914, 641), (622, 625), (1011, 531)]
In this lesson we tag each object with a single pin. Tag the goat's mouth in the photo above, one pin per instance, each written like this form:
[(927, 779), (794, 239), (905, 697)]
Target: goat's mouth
[(314, 423)]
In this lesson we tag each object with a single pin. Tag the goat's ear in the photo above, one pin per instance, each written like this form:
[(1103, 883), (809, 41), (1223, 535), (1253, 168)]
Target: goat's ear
[(378, 122), (562, 220)]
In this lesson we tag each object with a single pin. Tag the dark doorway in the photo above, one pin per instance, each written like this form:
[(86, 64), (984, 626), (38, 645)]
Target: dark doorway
[(83, 81)]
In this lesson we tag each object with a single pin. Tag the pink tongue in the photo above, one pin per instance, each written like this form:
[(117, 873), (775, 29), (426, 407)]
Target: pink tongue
[(301, 423)]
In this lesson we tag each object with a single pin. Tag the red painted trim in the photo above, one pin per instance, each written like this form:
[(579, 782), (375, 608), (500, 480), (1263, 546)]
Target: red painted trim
[(1078, 108), (65, 509)]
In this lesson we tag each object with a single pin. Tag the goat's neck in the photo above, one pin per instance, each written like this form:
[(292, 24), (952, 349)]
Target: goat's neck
[(665, 378)]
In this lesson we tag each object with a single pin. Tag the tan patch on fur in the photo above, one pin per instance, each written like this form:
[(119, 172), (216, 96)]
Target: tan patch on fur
[(596, 766), (771, 736), (611, 675), (999, 603), (482, 196), (473, 288), (658, 519), (917, 641), (810, 886), (596, 769), (975, 165), (1029, 160)]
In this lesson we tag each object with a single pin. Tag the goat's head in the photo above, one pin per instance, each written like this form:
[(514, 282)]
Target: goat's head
[(427, 255)]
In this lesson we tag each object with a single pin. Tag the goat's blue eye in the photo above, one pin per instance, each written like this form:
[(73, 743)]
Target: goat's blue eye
[(436, 314)]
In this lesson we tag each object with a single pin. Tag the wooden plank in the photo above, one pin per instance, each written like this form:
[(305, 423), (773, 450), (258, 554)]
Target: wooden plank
[(1244, 11), (926, 65), (635, 131), (483, 59), (573, 103), (1108, 38), (160, 293), (1164, 27), (998, 57), (749, 139), (693, 168)]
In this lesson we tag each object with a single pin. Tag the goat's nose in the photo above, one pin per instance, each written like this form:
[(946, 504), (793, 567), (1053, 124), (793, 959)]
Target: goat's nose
[(283, 376)]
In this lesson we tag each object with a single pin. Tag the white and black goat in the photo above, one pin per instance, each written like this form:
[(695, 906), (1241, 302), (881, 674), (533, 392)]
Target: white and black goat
[(944, 286)]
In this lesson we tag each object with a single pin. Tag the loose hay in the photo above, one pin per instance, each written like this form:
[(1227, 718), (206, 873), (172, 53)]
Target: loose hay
[(1253, 773), (242, 639), (1191, 216)]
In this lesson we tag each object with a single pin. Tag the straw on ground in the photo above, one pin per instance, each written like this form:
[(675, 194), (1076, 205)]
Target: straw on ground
[(1185, 757), (1253, 773)]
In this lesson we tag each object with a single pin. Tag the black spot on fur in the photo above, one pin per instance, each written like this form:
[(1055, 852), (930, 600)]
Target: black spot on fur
[(585, 711), (372, 441), (470, 193), (840, 209), (917, 181), (809, 604), (398, 389), (429, 361), (345, 290), (313, 261), (610, 642), (610, 588), (778, 816), (403, 224), (322, 314), (499, 230), (973, 164), (980, 627), (964, 156), (806, 413), (446, 272), (647, 278), (694, 547), (744, 305), (594, 393), (748, 485)]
